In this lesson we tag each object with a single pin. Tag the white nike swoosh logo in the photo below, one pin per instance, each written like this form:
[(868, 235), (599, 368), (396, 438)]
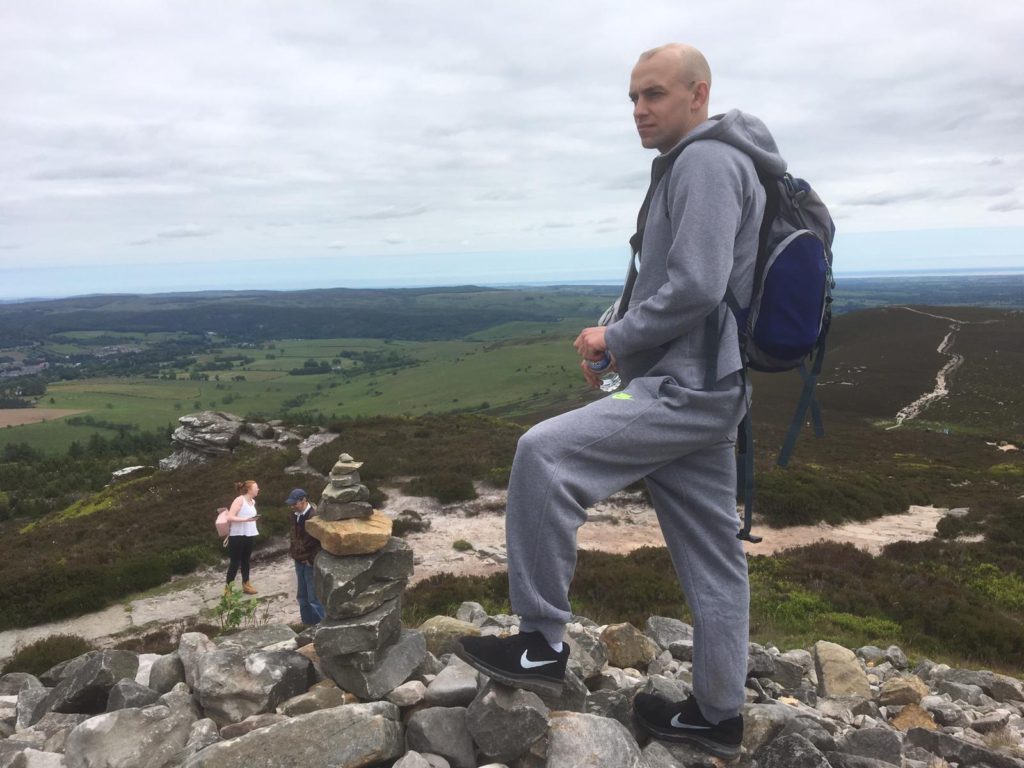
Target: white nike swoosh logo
[(675, 723), (525, 662)]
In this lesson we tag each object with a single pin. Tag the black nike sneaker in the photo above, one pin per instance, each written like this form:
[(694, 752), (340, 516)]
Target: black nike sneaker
[(525, 660), (683, 721)]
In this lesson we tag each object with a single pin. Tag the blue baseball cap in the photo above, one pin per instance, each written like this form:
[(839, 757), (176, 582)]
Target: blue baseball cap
[(295, 496)]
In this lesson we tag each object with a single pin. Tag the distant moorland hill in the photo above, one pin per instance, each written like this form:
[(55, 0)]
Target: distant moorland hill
[(418, 313)]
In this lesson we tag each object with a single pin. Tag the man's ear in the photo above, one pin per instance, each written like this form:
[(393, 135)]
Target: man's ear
[(701, 92)]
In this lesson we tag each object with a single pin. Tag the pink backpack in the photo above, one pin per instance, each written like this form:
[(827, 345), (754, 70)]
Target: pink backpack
[(223, 526)]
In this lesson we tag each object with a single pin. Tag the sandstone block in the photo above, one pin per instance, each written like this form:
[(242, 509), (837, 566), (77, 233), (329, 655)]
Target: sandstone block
[(913, 716), (352, 537), (839, 671), (902, 690), (628, 647)]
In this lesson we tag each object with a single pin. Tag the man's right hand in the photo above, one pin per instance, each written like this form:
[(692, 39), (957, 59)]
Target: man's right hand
[(593, 377)]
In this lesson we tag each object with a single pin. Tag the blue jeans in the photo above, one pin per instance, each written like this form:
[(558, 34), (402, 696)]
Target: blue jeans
[(310, 609)]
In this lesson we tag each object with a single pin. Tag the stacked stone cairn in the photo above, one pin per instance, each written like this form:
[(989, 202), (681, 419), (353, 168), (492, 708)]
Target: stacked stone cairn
[(360, 576)]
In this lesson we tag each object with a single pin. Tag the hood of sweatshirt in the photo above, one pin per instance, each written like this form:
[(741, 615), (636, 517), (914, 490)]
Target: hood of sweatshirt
[(745, 132)]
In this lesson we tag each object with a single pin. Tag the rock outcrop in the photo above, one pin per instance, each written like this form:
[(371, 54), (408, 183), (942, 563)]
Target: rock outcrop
[(208, 434)]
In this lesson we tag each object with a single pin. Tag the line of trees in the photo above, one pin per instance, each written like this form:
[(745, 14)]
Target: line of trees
[(35, 483)]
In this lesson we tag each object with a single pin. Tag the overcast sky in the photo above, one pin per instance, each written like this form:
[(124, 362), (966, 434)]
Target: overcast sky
[(152, 145)]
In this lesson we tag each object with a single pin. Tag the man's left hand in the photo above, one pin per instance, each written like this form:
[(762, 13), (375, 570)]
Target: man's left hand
[(590, 343)]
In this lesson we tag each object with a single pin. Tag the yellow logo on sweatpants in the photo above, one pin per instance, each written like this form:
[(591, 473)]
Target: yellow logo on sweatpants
[(622, 396)]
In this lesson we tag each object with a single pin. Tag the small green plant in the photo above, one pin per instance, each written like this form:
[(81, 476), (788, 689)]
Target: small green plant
[(234, 610), (45, 653), (461, 545)]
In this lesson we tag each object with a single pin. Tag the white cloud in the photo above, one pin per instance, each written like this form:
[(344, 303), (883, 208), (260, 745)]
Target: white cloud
[(279, 128), (188, 230)]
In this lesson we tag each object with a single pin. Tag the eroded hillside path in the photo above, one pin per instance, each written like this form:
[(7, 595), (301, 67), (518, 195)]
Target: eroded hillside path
[(941, 390)]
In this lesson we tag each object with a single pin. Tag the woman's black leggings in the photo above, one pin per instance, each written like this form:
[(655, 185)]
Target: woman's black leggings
[(240, 548)]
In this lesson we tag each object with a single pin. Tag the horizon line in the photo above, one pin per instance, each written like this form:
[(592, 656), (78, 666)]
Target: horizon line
[(372, 284)]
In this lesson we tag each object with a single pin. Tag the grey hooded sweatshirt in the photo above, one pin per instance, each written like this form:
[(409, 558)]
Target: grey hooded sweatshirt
[(701, 237)]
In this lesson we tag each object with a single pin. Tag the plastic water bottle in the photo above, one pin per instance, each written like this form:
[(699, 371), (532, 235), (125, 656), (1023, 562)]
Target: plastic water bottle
[(610, 381)]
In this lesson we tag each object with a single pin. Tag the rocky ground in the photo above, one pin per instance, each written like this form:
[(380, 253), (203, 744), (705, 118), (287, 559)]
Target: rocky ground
[(260, 699)]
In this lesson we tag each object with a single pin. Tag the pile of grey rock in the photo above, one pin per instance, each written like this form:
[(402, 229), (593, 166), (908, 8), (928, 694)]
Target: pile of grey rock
[(360, 576), (345, 496), (209, 434), (263, 698)]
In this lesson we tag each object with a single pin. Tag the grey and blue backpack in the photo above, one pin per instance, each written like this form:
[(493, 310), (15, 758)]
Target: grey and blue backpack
[(785, 326), (788, 319)]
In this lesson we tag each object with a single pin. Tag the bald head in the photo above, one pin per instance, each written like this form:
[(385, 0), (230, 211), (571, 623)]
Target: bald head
[(669, 88), (693, 67)]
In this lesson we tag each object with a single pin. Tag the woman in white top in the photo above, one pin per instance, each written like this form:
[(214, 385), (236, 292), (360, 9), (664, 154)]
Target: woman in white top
[(242, 516)]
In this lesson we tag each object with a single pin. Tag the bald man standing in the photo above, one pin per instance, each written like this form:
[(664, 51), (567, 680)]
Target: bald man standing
[(675, 344)]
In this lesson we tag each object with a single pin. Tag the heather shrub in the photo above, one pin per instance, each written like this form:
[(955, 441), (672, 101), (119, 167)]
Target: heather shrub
[(805, 495), (441, 595), (498, 476), (446, 488), (39, 656), (952, 527), (444, 453)]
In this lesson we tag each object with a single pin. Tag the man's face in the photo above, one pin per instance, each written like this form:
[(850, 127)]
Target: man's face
[(299, 505), (663, 104)]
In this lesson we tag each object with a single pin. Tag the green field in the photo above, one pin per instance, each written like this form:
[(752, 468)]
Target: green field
[(513, 376)]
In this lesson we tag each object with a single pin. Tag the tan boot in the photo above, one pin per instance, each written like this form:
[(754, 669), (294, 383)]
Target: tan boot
[(227, 589), (248, 588)]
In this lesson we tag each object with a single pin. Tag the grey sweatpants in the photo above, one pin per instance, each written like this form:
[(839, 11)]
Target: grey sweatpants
[(681, 442)]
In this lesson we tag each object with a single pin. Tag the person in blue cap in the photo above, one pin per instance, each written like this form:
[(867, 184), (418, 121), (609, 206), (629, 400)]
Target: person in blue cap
[(303, 549)]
